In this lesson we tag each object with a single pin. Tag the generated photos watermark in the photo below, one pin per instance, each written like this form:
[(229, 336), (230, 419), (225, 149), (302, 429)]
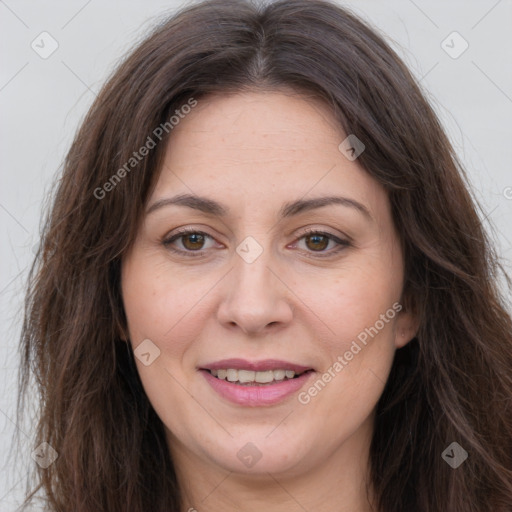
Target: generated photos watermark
[(344, 359), (158, 133)]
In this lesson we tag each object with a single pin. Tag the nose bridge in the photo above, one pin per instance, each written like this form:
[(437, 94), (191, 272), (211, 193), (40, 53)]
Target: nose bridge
[(252, 270), (251, 274)]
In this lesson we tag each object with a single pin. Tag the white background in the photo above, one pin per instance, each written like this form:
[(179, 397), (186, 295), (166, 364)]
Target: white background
[(43, 100)]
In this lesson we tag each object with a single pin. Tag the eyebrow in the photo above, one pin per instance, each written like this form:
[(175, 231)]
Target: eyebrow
[(211, 207)]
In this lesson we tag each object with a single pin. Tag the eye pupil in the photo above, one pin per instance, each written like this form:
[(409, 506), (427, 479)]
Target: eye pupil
[(197, 239), (315, 240)]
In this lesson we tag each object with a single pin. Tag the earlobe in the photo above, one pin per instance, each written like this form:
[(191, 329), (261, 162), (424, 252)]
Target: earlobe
[(408, 320), (407, 326)]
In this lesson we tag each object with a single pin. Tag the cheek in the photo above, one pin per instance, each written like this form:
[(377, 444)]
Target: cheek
[(152, 305), (157, 309), (359, 307), (354, 300)]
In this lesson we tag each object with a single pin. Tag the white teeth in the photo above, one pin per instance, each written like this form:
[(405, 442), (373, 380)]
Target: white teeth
[(232, 375), (279, 374), (264, 377), (248, 376)]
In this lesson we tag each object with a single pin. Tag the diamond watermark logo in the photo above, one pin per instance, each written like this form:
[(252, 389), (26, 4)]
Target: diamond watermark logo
[(44, 45), (351, 147), (44, 455), (249, 454), (454, 455), (147, 352), (454, 45), (249, 250)]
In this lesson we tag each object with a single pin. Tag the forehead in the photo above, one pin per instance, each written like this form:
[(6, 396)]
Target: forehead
[(254, 146), (251, 121)]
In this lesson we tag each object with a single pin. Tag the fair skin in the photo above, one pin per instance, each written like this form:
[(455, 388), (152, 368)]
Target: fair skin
[(253, 152)]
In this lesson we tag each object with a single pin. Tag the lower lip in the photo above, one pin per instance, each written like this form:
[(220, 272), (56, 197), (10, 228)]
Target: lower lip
[(256, 396)]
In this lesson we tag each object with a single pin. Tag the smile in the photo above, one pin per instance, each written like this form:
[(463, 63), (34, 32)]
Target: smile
[(255, 384)]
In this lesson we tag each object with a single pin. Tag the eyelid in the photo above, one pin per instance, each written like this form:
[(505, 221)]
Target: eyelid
[(343, 237)]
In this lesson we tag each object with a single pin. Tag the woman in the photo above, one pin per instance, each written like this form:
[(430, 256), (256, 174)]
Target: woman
[(263, 284)]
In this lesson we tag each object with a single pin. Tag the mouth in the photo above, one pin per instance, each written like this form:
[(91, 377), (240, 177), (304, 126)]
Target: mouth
[(256, 384)]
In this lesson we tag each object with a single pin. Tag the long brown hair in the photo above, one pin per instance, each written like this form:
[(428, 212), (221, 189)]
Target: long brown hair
[(451, 383)]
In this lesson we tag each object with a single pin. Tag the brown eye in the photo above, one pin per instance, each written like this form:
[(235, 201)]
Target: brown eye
[(193, 241), (318, 242), (188, 242)]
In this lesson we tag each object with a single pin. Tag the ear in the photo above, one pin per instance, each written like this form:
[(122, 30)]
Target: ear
[(407, 324)]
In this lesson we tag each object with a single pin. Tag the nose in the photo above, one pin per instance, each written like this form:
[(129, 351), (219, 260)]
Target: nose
[(255, 296)]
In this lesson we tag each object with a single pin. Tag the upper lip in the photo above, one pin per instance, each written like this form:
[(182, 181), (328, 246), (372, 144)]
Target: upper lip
[(257, 366)]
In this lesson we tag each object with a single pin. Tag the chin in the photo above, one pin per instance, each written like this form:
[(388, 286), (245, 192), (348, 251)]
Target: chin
[(285, 454)]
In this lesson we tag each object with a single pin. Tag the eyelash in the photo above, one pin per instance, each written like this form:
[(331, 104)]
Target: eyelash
[(342, 244)]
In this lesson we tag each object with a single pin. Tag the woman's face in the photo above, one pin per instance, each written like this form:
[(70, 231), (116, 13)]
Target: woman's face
[(250, 295)]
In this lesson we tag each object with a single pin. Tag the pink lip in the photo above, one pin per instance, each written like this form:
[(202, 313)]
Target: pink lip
[(256, 395), (257, 366)]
